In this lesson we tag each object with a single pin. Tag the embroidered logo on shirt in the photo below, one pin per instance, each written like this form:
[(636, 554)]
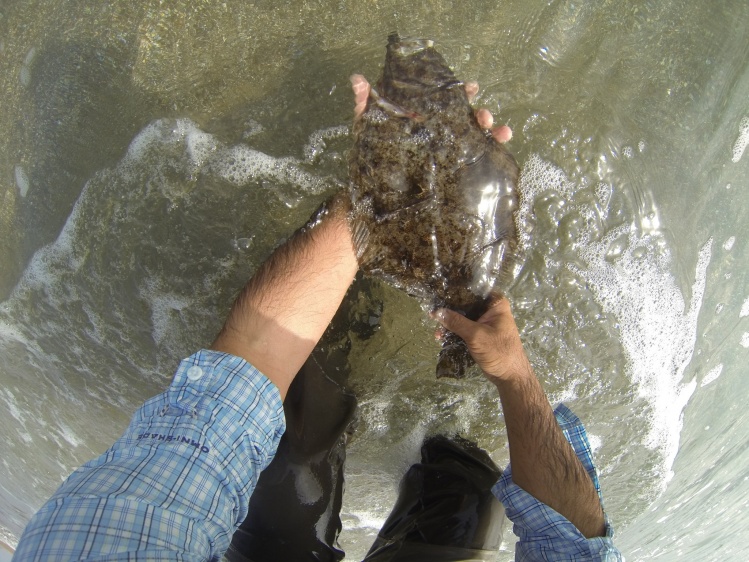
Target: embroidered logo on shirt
[(177, 438)]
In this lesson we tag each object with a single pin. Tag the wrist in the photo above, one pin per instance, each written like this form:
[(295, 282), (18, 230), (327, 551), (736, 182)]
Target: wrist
[(335, 210), (339, 205), (332, 223), (515, 376)]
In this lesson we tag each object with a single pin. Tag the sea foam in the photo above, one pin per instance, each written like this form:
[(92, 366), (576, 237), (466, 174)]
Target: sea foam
[(22, 180), (741, 142), (630, 275)]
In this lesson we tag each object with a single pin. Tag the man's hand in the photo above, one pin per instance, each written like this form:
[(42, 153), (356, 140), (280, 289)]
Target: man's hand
[(493, 340), (361, 88), (543, 462)]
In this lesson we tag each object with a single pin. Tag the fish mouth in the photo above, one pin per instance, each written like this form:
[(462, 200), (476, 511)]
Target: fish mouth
[(406, 47)]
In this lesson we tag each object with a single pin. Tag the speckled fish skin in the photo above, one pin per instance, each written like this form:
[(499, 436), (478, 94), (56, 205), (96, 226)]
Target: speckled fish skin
[(435, 193)]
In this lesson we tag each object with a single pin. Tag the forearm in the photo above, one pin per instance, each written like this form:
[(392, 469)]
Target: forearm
[(543, 462), (286, 306)]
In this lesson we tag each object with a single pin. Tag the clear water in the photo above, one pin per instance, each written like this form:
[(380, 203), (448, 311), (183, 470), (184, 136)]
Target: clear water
[(153, 153)]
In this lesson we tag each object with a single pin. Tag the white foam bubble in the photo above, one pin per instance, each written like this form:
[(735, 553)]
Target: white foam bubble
[(595, 442), (25, 74), (22, 180), (200, 147), (242, 244), (142, 141), (39, 272), (658, 332), (744, 309), (164, 306), (13, 408), (743, 139), (9, 332), (165, 132), (240, 165), (68, 434), (603, 193), (252, 128), (537, 177), (712, 374), (728, 244), (635, 285), (744, 340), (316, 142)]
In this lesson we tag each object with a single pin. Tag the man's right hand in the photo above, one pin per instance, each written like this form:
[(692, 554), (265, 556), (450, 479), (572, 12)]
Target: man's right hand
[(493, 340), (543, 462)]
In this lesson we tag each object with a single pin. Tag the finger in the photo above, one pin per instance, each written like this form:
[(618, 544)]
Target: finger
[(455, 322), (361, 89), (360, 85), (485, 118), (472, 88), (502, 134), (497, 307)]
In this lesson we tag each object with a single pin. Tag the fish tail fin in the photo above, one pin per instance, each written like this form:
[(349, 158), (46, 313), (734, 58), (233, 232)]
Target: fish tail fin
[(454, 358)]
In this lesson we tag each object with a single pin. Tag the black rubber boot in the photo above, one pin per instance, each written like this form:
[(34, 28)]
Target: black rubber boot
[(445, 510), (294, 512)]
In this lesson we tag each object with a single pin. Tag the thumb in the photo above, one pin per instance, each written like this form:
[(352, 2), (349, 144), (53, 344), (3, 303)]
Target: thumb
[(455, 322)]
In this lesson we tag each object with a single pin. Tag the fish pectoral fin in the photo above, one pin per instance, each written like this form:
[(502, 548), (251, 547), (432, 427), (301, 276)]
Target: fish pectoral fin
[(392, 109), (360, 237), (418, 206)]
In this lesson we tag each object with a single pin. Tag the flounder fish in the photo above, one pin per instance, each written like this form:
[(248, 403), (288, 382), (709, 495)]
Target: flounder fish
[(433, 194)]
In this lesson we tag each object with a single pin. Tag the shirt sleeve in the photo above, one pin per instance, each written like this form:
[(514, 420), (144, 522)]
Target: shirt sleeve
[(177, 484), (545, 534)]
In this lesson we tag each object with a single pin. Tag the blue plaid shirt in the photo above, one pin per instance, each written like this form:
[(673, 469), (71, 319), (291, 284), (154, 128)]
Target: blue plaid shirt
[(177, 484), (544, 534)]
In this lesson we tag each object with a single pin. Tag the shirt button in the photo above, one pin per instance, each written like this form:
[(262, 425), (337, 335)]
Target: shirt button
[(194, 373)]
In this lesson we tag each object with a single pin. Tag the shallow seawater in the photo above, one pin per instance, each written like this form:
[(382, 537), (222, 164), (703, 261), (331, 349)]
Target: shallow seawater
[(155, 153)]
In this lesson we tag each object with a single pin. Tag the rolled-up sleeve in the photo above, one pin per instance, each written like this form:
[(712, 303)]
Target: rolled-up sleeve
[(543, 533), (177, 484)]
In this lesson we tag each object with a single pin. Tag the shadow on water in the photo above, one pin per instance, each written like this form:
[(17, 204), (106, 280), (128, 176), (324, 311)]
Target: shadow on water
[(288, 118), (82, 113), (86, 105)]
